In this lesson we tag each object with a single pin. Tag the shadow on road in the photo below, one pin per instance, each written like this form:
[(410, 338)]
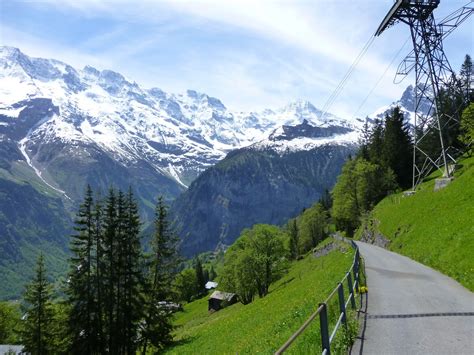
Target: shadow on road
[(358, 346)]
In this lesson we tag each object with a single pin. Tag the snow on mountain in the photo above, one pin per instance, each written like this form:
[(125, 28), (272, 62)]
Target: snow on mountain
[(406, 104), (177, 134), (307, 136)]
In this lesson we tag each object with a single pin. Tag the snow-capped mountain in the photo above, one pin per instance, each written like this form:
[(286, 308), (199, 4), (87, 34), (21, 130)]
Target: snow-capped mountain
[(175, 135), (406, 104)]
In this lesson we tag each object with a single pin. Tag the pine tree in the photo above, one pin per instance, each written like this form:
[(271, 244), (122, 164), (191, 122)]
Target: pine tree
[(294, 240), (117, 330), (36, 335), (364, 141), (212, 273), (397, 150), (105, 288), (133, 276), (200, 281), (467, 78), (109, 273), (163, 268), (99, 273), (82, 281), (326, 200), (376, 142)]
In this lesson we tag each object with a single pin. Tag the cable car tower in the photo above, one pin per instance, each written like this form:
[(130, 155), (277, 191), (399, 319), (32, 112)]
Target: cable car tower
[(433, 73)]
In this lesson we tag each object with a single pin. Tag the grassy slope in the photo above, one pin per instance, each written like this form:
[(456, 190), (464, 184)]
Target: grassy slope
[(435, 228), (264, 325)]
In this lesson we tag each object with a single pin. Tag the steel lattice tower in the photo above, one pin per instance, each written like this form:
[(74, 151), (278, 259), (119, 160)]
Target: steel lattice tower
[(433, 73)]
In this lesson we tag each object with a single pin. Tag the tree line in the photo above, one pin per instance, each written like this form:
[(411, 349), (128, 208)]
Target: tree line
[(118, 297)]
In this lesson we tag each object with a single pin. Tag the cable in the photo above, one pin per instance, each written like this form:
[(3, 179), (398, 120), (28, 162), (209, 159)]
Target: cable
[(380, 79), (340, 86), (349, 72)]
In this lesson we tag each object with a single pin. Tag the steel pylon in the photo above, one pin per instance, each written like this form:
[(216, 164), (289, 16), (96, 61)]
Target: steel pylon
[(433, 74)]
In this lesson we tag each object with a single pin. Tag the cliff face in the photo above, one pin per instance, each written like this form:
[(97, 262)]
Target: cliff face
[(253, 186)]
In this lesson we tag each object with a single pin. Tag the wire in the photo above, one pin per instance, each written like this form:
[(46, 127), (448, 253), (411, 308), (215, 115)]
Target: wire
[(381, 77), (340, 86), (349, 72)]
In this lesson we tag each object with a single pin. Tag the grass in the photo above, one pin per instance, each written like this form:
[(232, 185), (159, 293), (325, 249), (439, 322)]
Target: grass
[(265, 324), (435, 228)]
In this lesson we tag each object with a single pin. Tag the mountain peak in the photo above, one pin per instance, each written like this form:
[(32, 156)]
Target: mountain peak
[(212, 101), (91, 70), (10, 52), (112, 76), (301, 105)]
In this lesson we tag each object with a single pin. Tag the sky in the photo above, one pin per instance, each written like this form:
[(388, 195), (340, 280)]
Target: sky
[(251, 54)]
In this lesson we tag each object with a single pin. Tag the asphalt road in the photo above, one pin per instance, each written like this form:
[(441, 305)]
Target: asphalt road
[(413, 309)]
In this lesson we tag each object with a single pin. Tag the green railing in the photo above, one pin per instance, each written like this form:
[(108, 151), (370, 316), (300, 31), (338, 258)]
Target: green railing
[(352, 277)]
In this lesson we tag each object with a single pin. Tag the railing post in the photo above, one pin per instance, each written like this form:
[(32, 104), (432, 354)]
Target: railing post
[(351, 290), (342, 303), (323, 323)]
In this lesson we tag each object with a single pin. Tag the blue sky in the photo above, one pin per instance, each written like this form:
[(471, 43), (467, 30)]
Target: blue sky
[(250, 54)]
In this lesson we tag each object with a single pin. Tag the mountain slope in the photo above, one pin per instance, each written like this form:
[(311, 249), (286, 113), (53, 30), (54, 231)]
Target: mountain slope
[(33, 219), (258, 184)]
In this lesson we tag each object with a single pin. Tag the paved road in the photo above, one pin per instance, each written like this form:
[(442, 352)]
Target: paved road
[(438, 313)]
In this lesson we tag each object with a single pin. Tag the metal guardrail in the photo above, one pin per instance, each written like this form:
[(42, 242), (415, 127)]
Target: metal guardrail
[(322, 311)]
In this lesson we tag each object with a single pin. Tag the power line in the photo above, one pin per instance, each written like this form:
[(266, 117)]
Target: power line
[(381, 77), (349, 72)]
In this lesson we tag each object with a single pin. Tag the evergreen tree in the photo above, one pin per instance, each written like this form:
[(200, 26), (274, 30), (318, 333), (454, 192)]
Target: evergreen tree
[(120, 272), (294, 239), (206, 275), (105, 288), (165, 258), (200, 281), (326, 200), (364, 141), (467, 78), (99, 274), (81, 285), (376, 142), (132, 275), (39, 316), (212, 273), (163, 268), (397, 151), (109, 273)]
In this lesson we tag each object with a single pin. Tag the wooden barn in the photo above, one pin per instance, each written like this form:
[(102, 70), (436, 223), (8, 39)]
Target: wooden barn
[(220, 300)]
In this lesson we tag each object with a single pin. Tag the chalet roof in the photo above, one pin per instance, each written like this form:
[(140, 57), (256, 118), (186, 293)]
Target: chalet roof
[(210, 284), (223, 296)]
